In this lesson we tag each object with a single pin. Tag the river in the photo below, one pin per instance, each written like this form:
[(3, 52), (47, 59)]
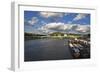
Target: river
[(46, 49)]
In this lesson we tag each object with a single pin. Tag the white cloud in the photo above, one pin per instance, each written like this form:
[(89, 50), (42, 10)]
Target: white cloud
[(62, 27), (57, 26), (51, 14), (79, 16), (83, 28), (54, 26), (33, 20)]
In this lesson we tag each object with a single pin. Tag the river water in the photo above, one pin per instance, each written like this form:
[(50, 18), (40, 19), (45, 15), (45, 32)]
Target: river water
[(46, 49)]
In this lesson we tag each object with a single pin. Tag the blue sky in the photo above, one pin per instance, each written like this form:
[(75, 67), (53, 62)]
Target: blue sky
[(48, 22)]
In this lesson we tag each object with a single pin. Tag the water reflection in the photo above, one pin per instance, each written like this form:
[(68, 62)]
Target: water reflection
[(46, 49)]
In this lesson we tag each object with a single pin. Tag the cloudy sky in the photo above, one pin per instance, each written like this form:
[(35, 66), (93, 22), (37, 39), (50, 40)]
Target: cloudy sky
[(49, 22)]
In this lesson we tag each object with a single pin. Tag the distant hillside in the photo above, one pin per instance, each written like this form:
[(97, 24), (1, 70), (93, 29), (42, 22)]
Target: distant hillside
[(56, 34), (62, 34), (32, 34)]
